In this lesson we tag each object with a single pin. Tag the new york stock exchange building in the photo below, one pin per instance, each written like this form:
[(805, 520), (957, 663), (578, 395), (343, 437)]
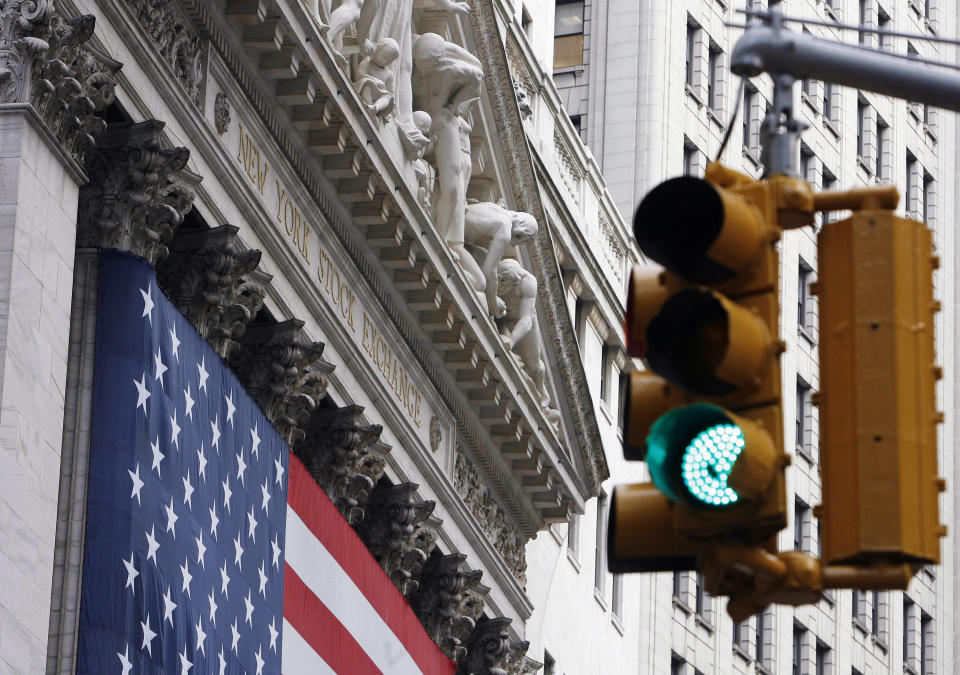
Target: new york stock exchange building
[(290, 368)]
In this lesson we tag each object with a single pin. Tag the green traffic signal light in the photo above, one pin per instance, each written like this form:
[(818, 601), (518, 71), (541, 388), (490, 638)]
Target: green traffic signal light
[(701, 455)]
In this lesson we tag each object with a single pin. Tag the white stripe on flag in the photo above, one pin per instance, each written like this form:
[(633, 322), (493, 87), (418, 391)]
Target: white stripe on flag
[(298, 657), (323, 575)]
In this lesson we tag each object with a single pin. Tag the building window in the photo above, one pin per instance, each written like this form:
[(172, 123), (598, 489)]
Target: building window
[(751, 122), (692, 30), (879, 617), (885, 42), (600, 557), (827, 182), (676, 664), (526, 22), (568, 34), (804, 299), (617, 601), (829, 110), (804, 440), (824, 658), (573, 537), (606, 373), (861, 35), (929, 199), (764, 652), (927, 648), (623, 389), (715, 78), (861, 126), (549, 664), (802, 526), (913, 206), (701, 596), (577, 122), (693, 164), (882, 167), (799, 637)]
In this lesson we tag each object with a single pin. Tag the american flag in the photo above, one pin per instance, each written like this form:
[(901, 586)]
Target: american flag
[(193, 562)]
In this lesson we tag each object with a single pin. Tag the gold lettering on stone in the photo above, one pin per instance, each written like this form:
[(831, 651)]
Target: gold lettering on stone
[(249, 156)]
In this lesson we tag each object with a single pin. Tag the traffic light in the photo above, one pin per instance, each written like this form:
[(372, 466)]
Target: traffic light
[(878, 419), (706, 418)]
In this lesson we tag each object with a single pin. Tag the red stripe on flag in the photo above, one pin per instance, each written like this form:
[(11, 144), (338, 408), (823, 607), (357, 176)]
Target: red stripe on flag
[(321, 629), (319, 514)]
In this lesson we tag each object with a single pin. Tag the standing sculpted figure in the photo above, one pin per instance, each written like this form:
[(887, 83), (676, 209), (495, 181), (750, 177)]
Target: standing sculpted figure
[(521, 333), (446, 81), (380, 19), (374, 79), (344, 15), (492, 227)]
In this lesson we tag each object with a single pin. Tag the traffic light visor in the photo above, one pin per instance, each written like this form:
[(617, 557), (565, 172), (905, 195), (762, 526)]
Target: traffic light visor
[(704, 233)]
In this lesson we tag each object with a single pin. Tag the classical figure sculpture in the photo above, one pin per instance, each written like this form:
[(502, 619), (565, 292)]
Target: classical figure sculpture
[(446, 81), (344, 15), (491, 227), (422, 170), (374, 78), (520, 331), (380, 19)]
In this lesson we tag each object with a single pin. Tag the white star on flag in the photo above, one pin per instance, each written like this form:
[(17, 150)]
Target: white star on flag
[(276, 551), (255, 450), (187, 577), (249, 608), (263, 582), (201, 637), (147, 303), (137, 483), (236, 637), (273, 636), (176, 342), (152, 546), (172, 519), (259, 660), (223, 664), (174, 431), (251, 525), (148, 636), (213, 609), (227, 493), (265, 493), (168, 606), (224, 580), (189, 402), (142, 393), (237, 553), (132, 573), (159, 368), (241, 467), (202, 372), (185, 665), (157, 455), (125, 660), (187, 490), (279, 465), (230, 408), (201, 550), (214, 521), (202, 460), (215, 431)]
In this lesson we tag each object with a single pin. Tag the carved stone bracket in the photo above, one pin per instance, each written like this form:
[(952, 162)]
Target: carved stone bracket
[(398, 531), (138, 194), (284, 373), (449, 602), (176, 40), (491, 651), (344, 456), (209, 277), (496, 524), (24, 32)]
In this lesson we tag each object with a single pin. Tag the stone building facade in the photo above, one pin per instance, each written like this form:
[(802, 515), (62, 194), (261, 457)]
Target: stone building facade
[(381, 221), (647, 86)]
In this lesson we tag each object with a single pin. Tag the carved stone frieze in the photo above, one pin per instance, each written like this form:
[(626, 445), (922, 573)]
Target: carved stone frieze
[(24, 33), (176, 40), (221, 113), (398, 531), (209, 277), (497, 525), (284, 373), (523, 101), (449, 602), (344, 456), (139, 191), (492, 651)]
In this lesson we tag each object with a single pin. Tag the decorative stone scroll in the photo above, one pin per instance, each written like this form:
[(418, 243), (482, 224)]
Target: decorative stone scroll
[(398, 532), (491, 651), (176, 40), (24, 33), (497, 526), (209, 277), (448, 602), (344, 456), (139, 191), (284, 373)]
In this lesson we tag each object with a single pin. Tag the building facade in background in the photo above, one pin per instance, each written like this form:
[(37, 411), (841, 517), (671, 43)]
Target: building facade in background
[(648, 88)]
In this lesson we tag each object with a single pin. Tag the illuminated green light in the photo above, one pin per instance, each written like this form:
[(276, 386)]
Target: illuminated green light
[(707, 463)]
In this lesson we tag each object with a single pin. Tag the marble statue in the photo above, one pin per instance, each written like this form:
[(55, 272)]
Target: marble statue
[(421, 169), (381, 19), (520, 331), (491, 228), (344, 15), (446, 81), (374, 78)]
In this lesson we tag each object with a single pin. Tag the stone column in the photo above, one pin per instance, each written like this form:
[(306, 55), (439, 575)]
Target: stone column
[(39, 188)]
